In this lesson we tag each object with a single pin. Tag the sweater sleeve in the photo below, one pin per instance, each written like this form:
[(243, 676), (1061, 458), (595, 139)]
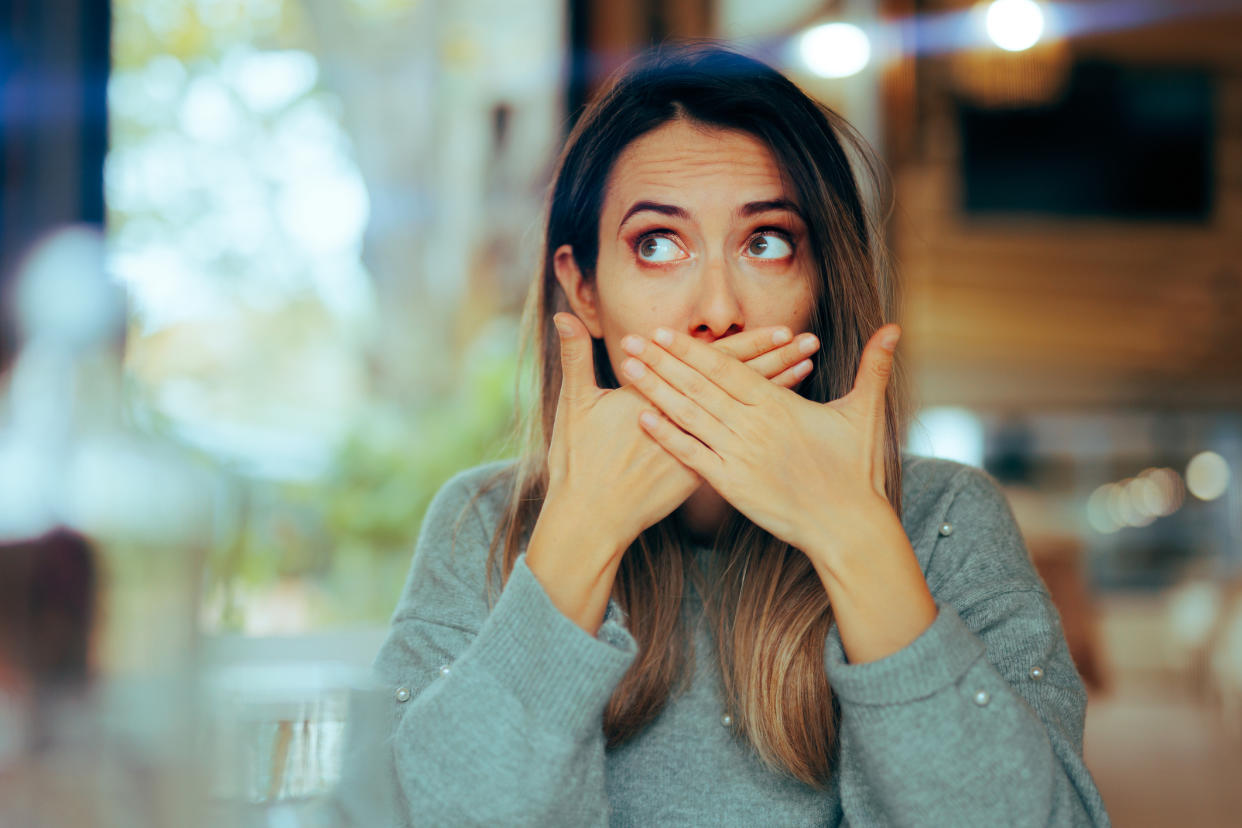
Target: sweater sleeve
[(495, 716), (979, 721)]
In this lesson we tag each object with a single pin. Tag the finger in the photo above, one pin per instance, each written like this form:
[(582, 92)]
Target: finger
[(690, 452), (875, 368), (681, 378), (790, 377), (686, 412), (750, 344), (774, 362), (577, 358), (871, 387), (738, 381)]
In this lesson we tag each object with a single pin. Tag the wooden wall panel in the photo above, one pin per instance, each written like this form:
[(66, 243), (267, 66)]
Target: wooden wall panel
[(1054, 313)]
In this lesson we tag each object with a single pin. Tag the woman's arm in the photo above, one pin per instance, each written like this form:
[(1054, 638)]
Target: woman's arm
[(495, 718), (979, 720)]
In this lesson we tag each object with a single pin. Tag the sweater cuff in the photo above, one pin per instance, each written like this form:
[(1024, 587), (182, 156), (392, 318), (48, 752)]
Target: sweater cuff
[(936, 659), (554, 668)]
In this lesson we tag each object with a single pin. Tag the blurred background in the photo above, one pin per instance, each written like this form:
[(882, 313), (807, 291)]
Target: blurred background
[(261, 264)]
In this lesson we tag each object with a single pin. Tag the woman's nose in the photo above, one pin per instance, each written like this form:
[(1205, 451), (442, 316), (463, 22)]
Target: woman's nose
[(716, 308)]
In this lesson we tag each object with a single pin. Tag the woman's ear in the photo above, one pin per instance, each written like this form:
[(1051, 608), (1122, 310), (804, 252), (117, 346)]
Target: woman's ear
[(580, 293)]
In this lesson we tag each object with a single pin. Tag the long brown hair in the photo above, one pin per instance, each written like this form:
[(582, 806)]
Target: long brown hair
[(766, 607)]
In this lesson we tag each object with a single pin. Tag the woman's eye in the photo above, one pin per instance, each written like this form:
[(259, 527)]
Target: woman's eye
[(769, 246), (659, 249)]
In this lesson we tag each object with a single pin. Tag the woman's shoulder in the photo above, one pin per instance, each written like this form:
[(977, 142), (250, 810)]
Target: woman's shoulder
[(936, 491), (487, 483), (447, 576), (959, 521), (483, 489), (929, 484)]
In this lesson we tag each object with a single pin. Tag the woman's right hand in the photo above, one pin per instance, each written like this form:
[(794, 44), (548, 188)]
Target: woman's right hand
[(607, 479)]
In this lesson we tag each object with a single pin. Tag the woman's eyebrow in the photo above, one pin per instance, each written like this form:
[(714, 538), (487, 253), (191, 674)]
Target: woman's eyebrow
[(754, 208), (654, 207), (751, 208)]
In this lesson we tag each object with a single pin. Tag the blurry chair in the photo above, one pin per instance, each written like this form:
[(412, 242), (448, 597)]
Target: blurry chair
[(1192, 615), (47, 613), (1224, 661), (1059, 561), (60, 767)]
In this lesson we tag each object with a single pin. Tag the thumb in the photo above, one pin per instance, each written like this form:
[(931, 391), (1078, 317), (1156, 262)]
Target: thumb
[(577, 357), (876, 367)]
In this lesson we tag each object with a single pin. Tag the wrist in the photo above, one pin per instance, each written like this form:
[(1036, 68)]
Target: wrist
[(835, 546), (880, 598), (574, 563)]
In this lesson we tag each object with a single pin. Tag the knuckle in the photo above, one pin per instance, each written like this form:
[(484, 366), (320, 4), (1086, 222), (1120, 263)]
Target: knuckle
[(882, 367), (683, 449), (687, 414), (695, 387), (716, 364)]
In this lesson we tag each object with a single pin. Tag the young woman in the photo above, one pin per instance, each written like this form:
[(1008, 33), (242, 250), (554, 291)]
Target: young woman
[(715, 592)]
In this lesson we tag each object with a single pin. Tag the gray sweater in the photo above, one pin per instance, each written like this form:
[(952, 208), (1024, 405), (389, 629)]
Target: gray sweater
[(495, 715)]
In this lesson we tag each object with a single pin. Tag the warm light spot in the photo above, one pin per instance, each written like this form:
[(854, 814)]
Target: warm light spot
[(1166, 497), (1098, 513), (1207, 475)]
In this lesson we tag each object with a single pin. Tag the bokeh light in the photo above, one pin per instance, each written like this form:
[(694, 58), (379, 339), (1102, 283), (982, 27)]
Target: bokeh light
[(950, 433), (1099, 516), (835, 50), (1207, 475), (1014, 25), (1135, 501)]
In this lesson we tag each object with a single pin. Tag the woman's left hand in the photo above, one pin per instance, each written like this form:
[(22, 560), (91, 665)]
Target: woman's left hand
[(812, 474)]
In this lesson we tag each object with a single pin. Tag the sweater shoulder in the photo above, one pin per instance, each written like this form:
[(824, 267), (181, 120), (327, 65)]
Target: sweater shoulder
[(482, 489), (962, 527), (447, 579), (928, 485)]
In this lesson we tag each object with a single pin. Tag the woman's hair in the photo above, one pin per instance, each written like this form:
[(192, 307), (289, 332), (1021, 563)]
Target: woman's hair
[(767, 608)]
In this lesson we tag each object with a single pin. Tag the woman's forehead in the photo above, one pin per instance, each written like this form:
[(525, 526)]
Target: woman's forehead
[(693, 165)]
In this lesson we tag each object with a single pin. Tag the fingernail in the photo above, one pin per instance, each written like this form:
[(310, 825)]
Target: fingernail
[(781, 336), (807, 343), (889, 341), (563, 329), (632, 345), (648, 419), (803, 368), (633, 368), (663, 336)]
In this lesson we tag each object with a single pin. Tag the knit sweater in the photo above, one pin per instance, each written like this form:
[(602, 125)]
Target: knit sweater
[(496, 712)]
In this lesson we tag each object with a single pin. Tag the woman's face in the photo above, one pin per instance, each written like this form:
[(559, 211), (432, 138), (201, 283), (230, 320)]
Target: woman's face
[(699, 233)]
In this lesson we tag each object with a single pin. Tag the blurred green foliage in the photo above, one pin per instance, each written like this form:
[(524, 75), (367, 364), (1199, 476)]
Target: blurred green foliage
[(348, 536)]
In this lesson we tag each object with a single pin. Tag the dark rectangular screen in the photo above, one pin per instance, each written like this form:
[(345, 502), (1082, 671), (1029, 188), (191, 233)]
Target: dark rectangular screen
[(1124, 142)]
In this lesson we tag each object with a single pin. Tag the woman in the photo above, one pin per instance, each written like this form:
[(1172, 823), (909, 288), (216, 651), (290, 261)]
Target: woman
[(700, 597)]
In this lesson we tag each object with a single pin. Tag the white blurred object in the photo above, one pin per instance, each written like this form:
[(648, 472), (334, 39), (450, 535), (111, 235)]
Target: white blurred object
[(63, 296), (835, 50), (277, 729), (1193, 610), (65, 457), (269, 81), (1207, 475), (951, 433), (1014, 25)]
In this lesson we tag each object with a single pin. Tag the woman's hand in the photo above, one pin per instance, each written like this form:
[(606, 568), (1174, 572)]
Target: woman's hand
[(793, 466), (607, 480), (812, 474)]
